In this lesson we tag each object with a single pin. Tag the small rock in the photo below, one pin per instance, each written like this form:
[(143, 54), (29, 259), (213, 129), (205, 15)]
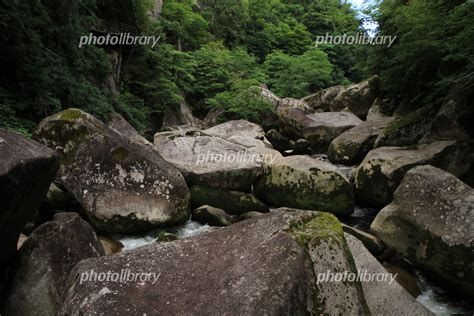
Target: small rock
[(212, 216)]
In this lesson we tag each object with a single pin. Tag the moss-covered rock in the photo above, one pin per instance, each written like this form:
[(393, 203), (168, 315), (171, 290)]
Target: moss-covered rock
[(408, 129), (279, 142), (323, 238), (383, 168), (164, 236), (321, 100), (262, 266), (352, 146), (233, 202), (122, 183), (305, 183), (430, 223), (212, 216)]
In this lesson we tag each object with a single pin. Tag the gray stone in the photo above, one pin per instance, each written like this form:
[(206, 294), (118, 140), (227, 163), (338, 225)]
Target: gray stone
[(45, 261), (372, 243), (357, 98), (212, 216), (278, 141), (383, 298), (318, 128), (321, 100), (383, 168), (241, 132), (26, 171), (212, 161), (305, 183), (430, 222), (122, 183), (351, 146), (233, 202), (261, 266)]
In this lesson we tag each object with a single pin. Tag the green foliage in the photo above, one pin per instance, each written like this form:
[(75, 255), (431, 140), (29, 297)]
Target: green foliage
[(159, 76), (297, 76), (434, 50), (242, 101), (44, 70), (183, 27), (211, 53), (218, 69)]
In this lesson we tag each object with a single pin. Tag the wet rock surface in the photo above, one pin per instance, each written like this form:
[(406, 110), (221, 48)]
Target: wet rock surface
[(212, 216)]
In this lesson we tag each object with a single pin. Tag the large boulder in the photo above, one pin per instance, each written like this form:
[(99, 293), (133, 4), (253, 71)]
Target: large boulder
[(454, 118), (212, 161), (233, 202), (241, 132), (119, 124), (26, 171), (261, 266), (385, 297), (321, 100), (383, 168), (266, 94), (381, 108), (122, 183), (45, 262), (318, 128), (357, 98), (430, 222), (321, 128), (407, 129), (305, 183), (351, 146)]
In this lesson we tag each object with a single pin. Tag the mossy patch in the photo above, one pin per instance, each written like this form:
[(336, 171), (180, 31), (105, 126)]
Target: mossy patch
[(305, 189), (321, 226), (71, 115), (119, 154)]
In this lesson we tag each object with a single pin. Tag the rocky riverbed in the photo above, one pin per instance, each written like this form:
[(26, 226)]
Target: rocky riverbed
[(231, 225)]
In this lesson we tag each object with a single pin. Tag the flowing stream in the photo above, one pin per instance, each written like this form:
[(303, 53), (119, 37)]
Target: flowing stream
[(189, 229)]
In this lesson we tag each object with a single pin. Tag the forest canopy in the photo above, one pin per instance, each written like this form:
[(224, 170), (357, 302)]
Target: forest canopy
[(212, 53)]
